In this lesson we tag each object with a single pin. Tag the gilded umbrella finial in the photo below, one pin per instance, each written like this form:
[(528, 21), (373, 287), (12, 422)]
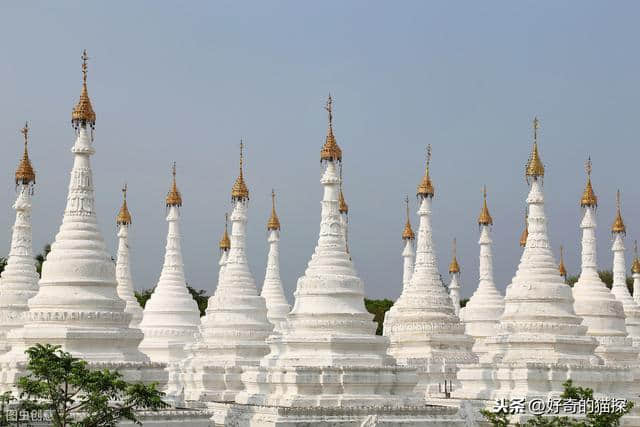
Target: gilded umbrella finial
[(173, 197), (618, 226), (453, 266), (425, 189), (225, 242), (330, 150), (124, 217), (525, 232), (274, 222), (343, 208), (407, 233), (485, 218), (561, 269), (535, 168), (635, 266), (83, 113), (239, 191), (589, 198), (25, 174)]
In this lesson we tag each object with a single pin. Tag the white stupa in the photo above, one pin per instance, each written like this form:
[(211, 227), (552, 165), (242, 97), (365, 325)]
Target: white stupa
[(171, 316), (619, 287), (482, 313), (328, 366), (602, 312), (272, 291), (77, 304), (454, 285), (408, 253), (123, 271), (235, 327), (422, 326), (19, 280), (540, 342), (635, 272)]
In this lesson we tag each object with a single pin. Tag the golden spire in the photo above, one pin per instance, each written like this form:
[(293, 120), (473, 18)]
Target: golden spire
[(618, 224), (535, 168), (124, 217), (173, 197), (330, 151), (225, 242), (407, 233), (343, 208), (589, 198), (561, 269), (454, 267), (83, 111), (274, 222), (635, 266), (25, 174), (239, 191), (485, 218), (425, 189), (525, 232)]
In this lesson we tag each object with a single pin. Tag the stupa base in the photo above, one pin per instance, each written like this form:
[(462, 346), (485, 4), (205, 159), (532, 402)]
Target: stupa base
[(530, 380), (238, 415), (435, 377), (165, 351)]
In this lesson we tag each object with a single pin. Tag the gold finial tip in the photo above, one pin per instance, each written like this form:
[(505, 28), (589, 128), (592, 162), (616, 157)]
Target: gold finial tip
[(239, 191), (635, 266), (83, 111), (407, 233), (426, 188), (225, 242), (561, 268), (274, 222), (525, 232), (174, 198), (330, 152), (124, 217), (589, 198), (343, 208), (25, 173), (618, 226), (453, 266), (485, 218)]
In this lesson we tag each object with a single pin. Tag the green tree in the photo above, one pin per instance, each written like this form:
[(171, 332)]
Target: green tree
[(79, 396), (463, 302), (3, 263), (41, 257), (378, 307), (199, 295)]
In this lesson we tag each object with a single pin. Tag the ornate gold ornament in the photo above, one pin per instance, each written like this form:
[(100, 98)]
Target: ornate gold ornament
[(124, 217), (484, 218), (525, 232), (239, 191), (589, 198), (635, 266), (274, 222), (25, 174), (83, 113), (330, 150), (453, 266), (407, 233), (561, 269), (425, 189), (173, 197), (618, 224), (535, 168), (225, 242)]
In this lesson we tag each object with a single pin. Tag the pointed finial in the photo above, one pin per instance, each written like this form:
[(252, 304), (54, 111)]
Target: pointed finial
[(225, 242), (330, 152), (83, 113), (25, 174), (124, 217), (274, 222), (588, 198), (453, 266), (635, 266), (561, 269), (343, 208), (425, 189), (484, 218), (173, 197), (618, 226), (525, 232), (407, 233), (239, 191), (535, 168)]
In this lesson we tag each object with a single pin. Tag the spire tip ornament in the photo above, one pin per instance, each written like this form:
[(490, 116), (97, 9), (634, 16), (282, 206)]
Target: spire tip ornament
[(274, 222), (485, 218), (25, 174), (635, 266), (83, 113), (618, 226), (225, 242), (239, 191), (589, 198), (173, 197), (407, 233), (124, 217), (453, 266), (525, 232), (330, 152), (535, 168), (561, 268), (425, 189)]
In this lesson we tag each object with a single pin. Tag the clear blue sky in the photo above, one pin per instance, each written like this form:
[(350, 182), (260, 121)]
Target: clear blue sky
[(185, 81)]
